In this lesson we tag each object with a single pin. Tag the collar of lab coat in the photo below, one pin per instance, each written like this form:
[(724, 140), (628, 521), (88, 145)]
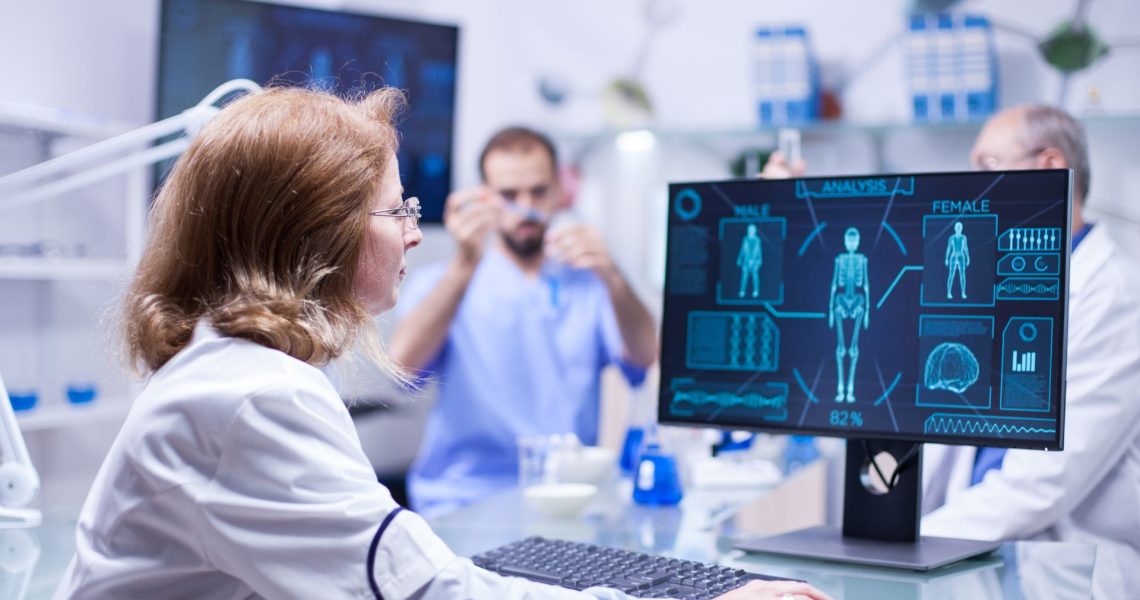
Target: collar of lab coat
[(204, 331)]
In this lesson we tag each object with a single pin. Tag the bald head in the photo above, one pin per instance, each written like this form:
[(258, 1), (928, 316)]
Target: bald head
[(1034, 137)]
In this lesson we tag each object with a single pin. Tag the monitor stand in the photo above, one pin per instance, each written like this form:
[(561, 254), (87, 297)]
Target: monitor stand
[(880, 529)]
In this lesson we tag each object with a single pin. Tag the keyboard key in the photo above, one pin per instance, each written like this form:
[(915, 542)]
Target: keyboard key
[(655, 578), (530, 573)]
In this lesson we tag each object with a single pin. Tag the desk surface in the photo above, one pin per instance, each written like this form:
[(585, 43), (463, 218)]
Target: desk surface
[(701, 528)]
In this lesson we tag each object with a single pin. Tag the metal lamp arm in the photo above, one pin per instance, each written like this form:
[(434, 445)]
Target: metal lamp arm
[(14, 187)]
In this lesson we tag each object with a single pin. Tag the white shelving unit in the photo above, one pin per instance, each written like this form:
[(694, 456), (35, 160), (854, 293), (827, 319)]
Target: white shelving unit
[(63, 268), (73, 200), (38, 120), (103, 410), (44, 286)]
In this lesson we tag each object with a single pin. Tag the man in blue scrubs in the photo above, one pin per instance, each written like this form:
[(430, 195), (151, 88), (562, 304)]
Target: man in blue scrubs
[(516, 327)]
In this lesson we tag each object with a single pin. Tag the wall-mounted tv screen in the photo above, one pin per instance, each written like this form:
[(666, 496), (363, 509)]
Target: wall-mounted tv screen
[(204, 43)]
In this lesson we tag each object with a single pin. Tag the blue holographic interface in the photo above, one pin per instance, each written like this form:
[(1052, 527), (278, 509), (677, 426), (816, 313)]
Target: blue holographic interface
[(922, 307)]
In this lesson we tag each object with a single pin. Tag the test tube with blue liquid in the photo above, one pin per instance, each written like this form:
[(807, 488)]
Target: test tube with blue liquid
[(553, 269), (642, 416), (22, 379), (81, 383)]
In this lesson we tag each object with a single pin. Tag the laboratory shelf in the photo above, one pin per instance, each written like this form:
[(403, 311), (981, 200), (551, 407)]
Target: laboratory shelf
[(21, 118), (63, 268), (56, 417), (828, 127)]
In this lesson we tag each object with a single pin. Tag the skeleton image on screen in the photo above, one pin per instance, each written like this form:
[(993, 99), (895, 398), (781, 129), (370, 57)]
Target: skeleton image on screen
[(851, 303), (957, 259), (749, 259)]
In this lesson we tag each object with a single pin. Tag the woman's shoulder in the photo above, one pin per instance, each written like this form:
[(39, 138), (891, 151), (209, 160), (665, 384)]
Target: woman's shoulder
[(217, 374), (181, 424)]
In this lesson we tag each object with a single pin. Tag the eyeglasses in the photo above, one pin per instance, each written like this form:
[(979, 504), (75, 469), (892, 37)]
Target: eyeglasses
[(409, 210), (989, 162)]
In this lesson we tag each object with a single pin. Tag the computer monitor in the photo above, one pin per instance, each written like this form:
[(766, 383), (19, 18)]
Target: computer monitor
[(889, 309), (204, 43)]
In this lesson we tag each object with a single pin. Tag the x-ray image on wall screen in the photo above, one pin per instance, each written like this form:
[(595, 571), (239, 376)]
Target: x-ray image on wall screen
[(207, 42)]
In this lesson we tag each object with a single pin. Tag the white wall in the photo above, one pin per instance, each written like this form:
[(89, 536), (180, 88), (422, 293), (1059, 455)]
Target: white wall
[(97, 57)]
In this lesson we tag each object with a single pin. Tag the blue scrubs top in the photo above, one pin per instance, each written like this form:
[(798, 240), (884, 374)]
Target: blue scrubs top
[(522, 357)]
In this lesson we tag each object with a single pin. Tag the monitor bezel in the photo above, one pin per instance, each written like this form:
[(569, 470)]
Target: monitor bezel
[(1057, 443)]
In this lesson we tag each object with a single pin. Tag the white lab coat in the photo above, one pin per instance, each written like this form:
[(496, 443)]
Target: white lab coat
[(239, 474), (1090, 492)]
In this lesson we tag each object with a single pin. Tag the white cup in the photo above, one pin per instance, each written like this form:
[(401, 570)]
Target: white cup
[(551, 474)]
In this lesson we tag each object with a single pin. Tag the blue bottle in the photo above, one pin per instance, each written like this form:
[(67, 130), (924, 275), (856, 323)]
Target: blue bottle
[(656, 481)]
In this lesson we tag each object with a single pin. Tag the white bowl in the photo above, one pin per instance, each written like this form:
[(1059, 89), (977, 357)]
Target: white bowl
[(588, 464), (559, 499)]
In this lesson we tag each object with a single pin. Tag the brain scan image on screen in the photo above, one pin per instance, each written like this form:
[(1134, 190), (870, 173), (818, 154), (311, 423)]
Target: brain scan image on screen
[(951, 367)]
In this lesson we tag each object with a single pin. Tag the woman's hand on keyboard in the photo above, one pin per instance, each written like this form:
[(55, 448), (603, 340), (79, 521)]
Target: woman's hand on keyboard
[(775, 590)]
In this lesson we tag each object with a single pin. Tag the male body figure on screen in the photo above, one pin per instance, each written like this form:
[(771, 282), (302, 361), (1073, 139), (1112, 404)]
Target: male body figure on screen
[(750, 259), (1090, 491), (516, 328)]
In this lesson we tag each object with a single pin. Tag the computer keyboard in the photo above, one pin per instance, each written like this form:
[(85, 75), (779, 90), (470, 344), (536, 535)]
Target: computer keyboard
[(578, 566)]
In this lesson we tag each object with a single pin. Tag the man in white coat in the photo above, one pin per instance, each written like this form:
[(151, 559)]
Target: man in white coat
[(1090, 492)]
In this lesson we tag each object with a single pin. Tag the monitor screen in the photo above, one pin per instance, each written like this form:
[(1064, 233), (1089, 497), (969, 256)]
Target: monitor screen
[(205, 43), (924, 307)]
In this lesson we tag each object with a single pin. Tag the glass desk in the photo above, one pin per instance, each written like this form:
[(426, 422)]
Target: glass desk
[(701, 528)]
